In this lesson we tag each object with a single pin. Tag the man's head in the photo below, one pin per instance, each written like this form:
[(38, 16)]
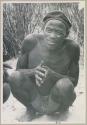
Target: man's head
[(56, 26)]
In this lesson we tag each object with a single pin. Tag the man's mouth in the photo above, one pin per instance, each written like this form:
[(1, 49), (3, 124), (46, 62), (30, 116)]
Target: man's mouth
[(52, 41)]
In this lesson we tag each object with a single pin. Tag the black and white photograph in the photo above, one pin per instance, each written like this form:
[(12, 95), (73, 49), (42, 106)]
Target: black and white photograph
[(43, 77)]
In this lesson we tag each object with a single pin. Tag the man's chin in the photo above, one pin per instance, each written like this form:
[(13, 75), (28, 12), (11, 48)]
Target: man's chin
[(52, 45)]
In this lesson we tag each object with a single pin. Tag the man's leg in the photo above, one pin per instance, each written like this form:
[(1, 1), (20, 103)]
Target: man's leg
[(62, 94), (22, 87), (24, 90)]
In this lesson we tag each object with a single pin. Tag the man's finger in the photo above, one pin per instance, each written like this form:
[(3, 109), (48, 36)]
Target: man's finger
[(40, 74), (37, 83), (38, 78), (41, 69)]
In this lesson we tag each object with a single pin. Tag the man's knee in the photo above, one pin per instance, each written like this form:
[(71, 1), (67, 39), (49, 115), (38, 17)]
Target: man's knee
[(22, 88), (15, 78), (64, 85), (21, 81), (63, 91)]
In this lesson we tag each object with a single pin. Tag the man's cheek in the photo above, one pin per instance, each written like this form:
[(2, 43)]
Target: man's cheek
[(59, 38)]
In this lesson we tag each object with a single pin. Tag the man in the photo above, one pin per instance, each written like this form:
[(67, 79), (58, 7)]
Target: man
[(47, 69)]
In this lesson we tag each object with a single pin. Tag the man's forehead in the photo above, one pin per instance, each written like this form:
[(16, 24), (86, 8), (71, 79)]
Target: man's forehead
[(55, 23)]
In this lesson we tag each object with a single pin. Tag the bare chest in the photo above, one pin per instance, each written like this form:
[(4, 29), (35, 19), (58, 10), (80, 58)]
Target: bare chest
[(58, 60)]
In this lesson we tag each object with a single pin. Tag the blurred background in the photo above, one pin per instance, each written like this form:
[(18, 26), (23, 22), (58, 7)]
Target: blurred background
[(21, 19)]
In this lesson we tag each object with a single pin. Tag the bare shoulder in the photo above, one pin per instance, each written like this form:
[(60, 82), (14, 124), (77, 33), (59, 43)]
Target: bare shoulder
[(30, 41), (72, 45), (34, 36)]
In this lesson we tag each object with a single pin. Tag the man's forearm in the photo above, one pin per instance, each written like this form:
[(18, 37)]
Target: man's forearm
[(20, 72), (60, 76), (27, 71)]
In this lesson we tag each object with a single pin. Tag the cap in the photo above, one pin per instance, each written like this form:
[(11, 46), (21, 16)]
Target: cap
[(58, 15)]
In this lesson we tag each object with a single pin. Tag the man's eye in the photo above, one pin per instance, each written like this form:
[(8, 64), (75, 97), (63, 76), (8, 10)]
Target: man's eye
[(60, 34)]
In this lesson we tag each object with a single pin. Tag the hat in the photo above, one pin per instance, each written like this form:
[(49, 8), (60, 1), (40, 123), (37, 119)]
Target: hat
[(58, 15)]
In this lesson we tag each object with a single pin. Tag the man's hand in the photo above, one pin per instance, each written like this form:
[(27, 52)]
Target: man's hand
[(44, 73), (41, 73)]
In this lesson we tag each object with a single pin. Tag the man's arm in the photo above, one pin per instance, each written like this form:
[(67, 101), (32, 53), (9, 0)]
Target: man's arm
[(23, 61), (23, 65), (28, 44), (74, 67)]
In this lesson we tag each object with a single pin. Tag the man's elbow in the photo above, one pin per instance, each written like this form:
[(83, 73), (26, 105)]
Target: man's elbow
[(75, 82)]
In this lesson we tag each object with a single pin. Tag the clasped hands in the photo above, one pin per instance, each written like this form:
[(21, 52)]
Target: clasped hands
[(41, 73)]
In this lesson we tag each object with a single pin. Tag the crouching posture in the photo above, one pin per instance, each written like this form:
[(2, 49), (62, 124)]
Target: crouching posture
[(47, 69)]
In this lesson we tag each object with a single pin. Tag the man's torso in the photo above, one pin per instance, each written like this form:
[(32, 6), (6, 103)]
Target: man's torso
[(58, 60)]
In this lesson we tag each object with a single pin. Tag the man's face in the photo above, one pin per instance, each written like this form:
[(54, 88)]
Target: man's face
[(55, 32)]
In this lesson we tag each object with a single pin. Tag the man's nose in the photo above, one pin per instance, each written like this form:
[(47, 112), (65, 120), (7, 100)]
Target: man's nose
[(54, 36)]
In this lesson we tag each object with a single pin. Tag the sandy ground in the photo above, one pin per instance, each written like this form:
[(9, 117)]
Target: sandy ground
[(13, 110)]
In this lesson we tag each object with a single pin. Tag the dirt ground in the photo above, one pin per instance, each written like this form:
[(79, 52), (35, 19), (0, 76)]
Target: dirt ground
[(13, 110)]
